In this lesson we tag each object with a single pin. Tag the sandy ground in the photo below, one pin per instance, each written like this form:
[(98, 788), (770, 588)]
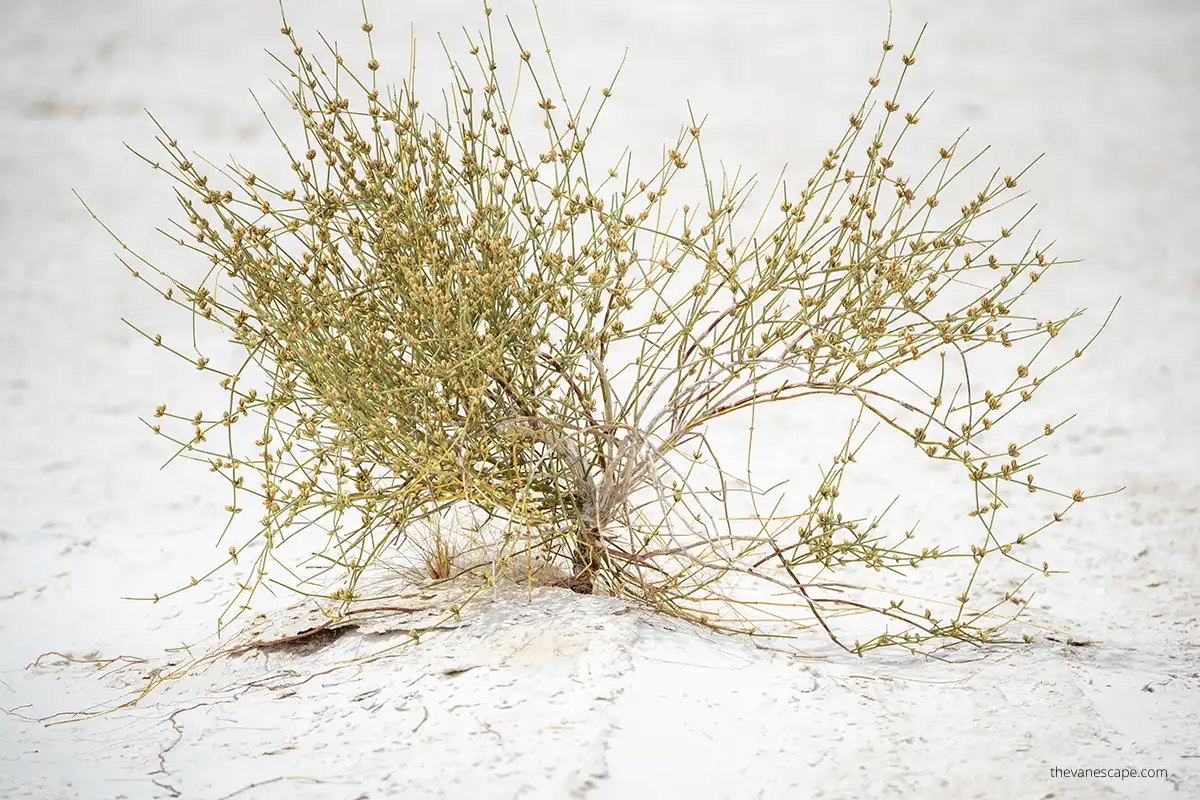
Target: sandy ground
[(556, 695)]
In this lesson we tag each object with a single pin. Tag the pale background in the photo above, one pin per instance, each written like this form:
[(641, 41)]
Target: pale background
[(1106, 89)]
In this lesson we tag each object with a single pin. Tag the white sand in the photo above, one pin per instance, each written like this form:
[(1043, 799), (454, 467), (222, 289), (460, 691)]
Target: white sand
[(565, 696)]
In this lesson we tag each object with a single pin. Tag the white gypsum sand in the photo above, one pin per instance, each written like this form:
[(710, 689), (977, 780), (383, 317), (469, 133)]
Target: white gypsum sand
[(541, 693)]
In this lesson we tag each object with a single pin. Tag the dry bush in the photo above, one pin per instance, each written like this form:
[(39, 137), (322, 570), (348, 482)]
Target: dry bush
[(440, 312)]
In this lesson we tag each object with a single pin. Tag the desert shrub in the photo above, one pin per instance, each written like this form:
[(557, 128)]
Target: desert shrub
[(439, 312)]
